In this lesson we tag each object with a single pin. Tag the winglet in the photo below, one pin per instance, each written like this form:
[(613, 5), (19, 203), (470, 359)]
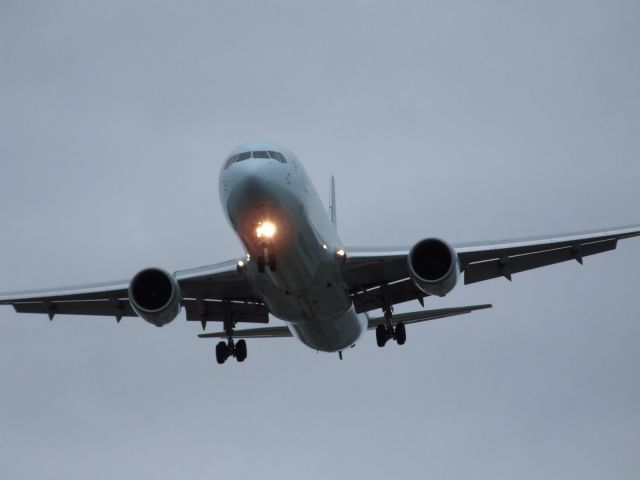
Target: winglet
[(332, 202)]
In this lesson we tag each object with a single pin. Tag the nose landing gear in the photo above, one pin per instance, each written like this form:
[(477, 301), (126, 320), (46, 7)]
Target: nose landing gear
[(268, 258)]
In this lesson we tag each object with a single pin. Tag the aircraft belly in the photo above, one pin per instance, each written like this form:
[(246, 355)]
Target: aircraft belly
[(331, 335)]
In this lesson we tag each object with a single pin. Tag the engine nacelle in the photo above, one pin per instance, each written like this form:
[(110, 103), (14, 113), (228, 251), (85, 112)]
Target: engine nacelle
[(433, 266), (155, 296)]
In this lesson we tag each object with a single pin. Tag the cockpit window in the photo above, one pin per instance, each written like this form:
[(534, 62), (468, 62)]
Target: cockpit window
[(257, 154), (277, 156), (230, 160), (243, 156)]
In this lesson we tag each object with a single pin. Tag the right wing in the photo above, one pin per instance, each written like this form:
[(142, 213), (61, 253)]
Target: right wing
[(208, 294)]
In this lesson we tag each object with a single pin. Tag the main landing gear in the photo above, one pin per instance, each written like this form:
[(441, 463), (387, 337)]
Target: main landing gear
[(385, 333), (228, 349)]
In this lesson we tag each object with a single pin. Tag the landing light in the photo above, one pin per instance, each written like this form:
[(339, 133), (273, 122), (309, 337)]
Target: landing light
[(266, 230), (341, 253)]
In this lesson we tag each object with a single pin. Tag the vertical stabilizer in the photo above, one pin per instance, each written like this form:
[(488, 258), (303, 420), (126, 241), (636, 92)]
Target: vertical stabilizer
[(332, 202)]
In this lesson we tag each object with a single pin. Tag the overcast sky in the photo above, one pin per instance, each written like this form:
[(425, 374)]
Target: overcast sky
[(466, 120)]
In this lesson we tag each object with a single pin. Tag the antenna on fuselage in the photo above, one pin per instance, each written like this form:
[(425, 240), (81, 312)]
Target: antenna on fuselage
[(332, 203)]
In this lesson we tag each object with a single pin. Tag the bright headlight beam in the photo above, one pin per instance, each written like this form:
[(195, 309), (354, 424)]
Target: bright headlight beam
[(266, 230)]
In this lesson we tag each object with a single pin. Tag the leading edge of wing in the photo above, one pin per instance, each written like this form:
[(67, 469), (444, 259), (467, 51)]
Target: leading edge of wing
[(548, 241), (93, 291), (360, 253), (118, 289), (426, 315)]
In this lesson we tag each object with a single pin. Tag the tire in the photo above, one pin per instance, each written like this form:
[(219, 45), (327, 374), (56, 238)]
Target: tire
[(381, 335), (221, 352), (241, 351), (401, 334)]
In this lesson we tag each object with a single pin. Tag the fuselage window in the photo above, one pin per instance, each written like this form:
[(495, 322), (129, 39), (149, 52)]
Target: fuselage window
[(260, 154)]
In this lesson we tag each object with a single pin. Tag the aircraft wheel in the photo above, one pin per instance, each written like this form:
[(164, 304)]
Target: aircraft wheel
[(221, 352), (401, 334), (261, 263), (241, 351), (381, 335)]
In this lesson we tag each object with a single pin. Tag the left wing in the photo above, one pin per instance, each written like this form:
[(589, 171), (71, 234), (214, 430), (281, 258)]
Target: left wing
[(208, 294), (381, 276)]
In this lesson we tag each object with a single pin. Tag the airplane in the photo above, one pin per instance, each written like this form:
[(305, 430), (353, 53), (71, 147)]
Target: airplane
[(297, 269)]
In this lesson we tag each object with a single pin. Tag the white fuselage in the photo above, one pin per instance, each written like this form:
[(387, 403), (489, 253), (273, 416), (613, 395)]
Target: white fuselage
[(306, 289)]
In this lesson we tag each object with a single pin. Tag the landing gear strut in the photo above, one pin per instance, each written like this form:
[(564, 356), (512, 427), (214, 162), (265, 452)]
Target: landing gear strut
[(387, 331), (267, 258), (230, 348)]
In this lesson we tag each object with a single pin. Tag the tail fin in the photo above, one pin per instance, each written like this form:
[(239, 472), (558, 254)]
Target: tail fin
[(332, 203)]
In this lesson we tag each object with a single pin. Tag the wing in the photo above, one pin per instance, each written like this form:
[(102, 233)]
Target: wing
[(377, 276), (482, 261), (207, 293), (264, 332), (426, 315)]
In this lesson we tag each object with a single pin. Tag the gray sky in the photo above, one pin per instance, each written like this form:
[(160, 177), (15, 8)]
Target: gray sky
[(467, 120)]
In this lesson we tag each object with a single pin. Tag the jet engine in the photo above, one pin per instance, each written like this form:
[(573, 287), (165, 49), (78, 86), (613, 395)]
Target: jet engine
[(155, 296), (433, 266)]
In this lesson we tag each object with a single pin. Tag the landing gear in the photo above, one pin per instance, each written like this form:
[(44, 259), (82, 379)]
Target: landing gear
[(224, 350), (222, 353), (382, 335), (400, 334), (230, 348), (241, 351), (385, 333), (267, 258)]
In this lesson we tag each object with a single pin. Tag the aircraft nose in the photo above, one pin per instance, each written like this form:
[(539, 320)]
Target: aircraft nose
[(247, 183)]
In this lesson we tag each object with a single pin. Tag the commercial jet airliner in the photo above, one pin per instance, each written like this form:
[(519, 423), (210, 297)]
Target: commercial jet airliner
[(297, 269)]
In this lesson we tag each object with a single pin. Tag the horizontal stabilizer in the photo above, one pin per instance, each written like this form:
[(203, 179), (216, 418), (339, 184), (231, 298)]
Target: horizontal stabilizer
[(265, 332), (415, 317)]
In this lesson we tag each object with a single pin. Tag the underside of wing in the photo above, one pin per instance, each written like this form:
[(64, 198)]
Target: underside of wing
[(379, 278), (103, 299), (423, 316), (210, 293), (483, 261), (265, 332)]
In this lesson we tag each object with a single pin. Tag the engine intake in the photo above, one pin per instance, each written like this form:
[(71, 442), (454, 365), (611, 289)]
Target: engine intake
[(155, 296), (433, 266)]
